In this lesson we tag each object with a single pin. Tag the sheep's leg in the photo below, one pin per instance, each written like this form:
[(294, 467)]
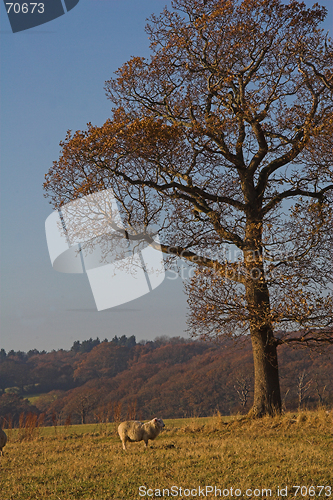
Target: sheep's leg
[(146, 443), (124, 444)]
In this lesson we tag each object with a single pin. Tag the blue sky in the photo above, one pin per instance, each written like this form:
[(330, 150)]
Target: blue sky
[(52, 80)]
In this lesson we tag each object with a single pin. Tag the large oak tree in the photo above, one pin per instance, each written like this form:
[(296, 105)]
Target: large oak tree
[(223, 141)]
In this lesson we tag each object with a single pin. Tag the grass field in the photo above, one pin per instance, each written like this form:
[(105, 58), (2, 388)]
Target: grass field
[(242, 458), (32, 398)]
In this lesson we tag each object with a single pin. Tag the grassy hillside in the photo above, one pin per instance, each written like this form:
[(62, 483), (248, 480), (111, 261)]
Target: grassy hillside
[(242, 456)]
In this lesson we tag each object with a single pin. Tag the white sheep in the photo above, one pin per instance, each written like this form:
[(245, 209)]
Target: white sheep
[(3, 440), (133, 430)]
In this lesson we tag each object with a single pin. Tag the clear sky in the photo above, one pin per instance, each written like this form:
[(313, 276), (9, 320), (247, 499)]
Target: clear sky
[(52, 80)]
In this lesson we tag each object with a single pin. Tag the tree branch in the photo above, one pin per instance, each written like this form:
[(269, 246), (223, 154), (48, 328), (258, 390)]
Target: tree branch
[(295, 192), (324, 80), (184, 253)]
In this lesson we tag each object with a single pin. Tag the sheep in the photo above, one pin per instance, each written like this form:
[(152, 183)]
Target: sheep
[(133, 430), (3, 440)]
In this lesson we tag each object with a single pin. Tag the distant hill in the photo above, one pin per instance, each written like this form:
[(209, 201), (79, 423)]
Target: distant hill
[(168, 377)]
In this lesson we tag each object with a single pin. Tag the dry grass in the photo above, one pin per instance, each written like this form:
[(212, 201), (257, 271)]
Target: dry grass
[(87, 462)]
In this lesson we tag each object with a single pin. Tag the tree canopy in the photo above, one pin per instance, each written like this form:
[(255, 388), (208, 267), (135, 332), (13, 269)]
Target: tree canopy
[(222, 140)]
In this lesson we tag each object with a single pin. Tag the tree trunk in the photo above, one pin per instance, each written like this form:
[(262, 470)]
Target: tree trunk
[(267, 396)]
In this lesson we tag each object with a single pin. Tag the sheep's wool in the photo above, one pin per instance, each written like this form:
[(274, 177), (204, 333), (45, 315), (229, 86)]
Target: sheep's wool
[(133, 431)]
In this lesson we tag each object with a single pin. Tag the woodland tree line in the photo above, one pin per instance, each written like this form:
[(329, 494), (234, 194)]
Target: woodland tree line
[(98, 381)]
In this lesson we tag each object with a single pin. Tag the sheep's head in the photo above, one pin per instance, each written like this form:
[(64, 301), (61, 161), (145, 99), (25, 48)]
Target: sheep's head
[(159, 422)]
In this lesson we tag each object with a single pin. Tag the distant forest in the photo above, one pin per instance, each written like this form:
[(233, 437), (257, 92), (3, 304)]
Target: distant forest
[(98, 381)]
